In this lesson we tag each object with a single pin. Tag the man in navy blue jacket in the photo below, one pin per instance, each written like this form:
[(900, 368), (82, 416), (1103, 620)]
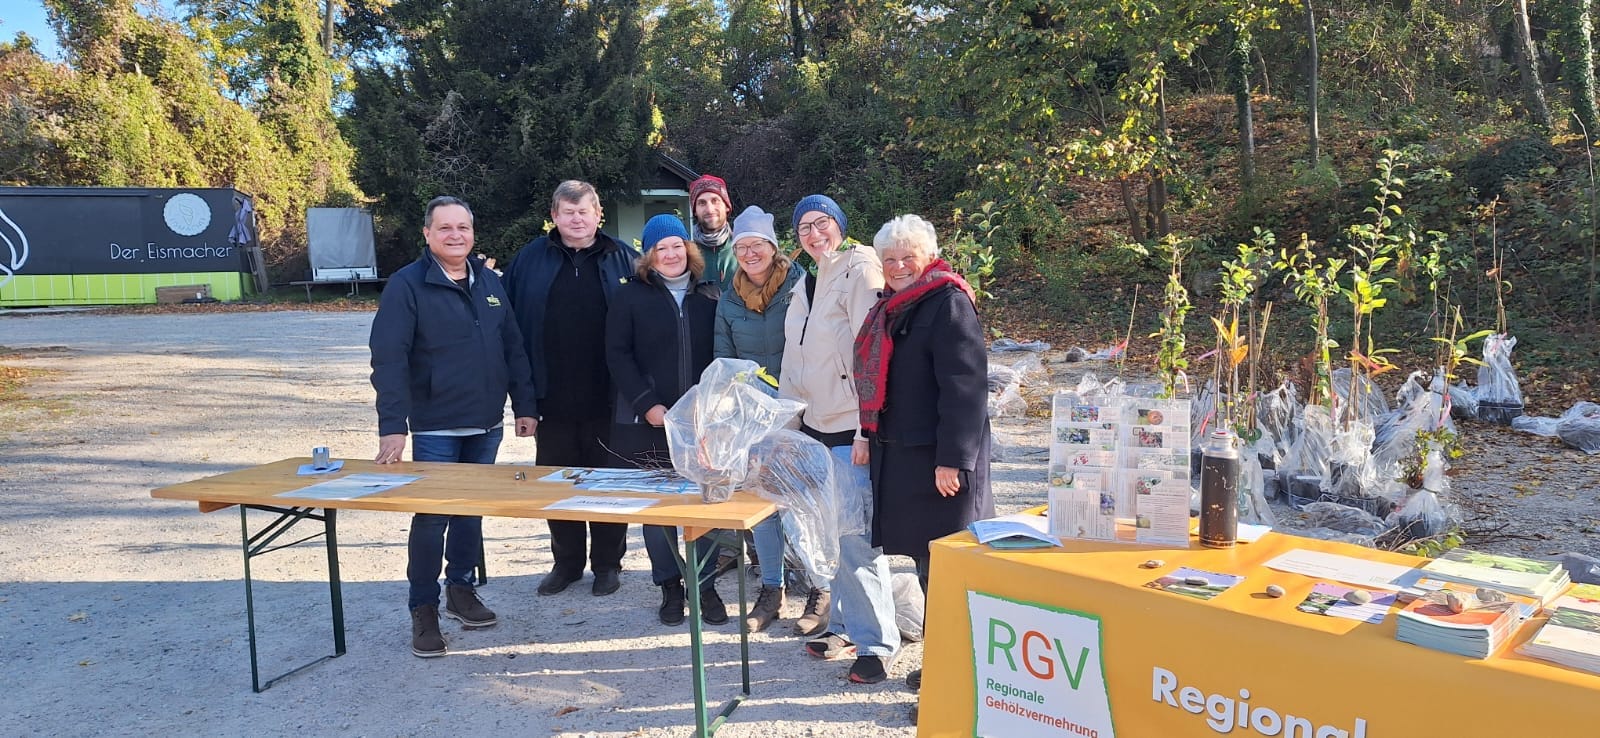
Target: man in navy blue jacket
[(560, 285), (445, 353)]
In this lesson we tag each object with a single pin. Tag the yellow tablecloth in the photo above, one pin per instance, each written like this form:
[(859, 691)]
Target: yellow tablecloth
[(1239, 664)]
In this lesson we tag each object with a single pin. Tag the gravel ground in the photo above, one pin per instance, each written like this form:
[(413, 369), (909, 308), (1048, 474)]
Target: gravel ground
[(123, 615)]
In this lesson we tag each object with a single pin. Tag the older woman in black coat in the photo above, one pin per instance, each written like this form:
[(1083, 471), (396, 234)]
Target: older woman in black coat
[(921, 374), (658, 341)]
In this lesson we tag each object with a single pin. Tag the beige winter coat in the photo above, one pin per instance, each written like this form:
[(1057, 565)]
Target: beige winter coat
[(819, 338)]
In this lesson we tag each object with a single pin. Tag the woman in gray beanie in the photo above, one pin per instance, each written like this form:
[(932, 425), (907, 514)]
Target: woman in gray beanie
[(750, 326)]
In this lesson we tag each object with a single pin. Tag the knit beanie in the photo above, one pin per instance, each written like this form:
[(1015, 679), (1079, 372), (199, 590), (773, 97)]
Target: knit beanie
[(709, 183), (754, 222), (826, 205), (665, 225)]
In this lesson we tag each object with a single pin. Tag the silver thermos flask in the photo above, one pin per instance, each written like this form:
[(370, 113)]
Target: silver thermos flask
[(1219, 490)]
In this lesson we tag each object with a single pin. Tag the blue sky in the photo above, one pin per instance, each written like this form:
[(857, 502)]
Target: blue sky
[(28, 15)]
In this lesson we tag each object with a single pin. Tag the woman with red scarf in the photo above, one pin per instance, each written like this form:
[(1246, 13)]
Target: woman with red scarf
[(922, 375), (921, 372)]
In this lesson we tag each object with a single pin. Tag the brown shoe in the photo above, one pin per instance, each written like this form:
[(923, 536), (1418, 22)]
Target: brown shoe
[(814, 619), (426, 641), (461, 603), (768, 607)]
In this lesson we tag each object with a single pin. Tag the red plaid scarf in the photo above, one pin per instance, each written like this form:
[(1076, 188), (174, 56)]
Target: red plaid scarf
[(874, 346)]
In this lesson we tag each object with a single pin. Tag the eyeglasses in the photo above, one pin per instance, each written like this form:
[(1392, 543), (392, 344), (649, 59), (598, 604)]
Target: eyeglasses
[(805, 229), (749, 248)]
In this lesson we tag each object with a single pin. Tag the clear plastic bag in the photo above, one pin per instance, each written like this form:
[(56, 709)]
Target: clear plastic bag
[(1343, 518), (855, 493), (1420, 409), (1005, 392), (1002, 447), (1307, 458), (1580, 427), (909, 605), (1499, 393), (711, 428), (1371, 404), (796, 472), (1422, 515), (1202, 413), (1003, 345), (1329, 534), (1463, 402), (1253, 506), (1276, 415), (1538, 425)]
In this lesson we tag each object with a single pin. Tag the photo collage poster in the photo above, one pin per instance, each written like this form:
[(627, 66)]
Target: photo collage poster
[(1119, 469)]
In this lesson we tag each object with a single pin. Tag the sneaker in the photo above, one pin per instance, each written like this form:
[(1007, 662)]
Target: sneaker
[(672, 604), (711, 608), (461, 603), (814, 619), (914, 680), (426, 640), (768, 607), (830, 646), (869, 670)]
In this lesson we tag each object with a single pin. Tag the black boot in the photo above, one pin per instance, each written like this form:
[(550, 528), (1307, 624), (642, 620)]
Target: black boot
[(673, 603)]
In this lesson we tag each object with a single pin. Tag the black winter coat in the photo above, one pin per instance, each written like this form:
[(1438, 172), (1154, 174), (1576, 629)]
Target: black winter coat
[(935, 414), (528, 278), (446, 357), (656, 352)]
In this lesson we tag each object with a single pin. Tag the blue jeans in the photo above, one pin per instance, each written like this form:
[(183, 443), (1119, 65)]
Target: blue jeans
[(770, 547), (429, 542), (661, 542), (863, 598)]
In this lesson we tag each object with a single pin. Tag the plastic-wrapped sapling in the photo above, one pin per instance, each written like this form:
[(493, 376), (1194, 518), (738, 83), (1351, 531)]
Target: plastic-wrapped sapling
[(711, 428)]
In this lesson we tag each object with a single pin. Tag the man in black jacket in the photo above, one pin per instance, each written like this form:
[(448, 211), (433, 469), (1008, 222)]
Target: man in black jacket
[(445, 353), (560, 285)]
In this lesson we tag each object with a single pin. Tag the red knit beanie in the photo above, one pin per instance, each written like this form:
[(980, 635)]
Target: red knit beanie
[(709, 183)]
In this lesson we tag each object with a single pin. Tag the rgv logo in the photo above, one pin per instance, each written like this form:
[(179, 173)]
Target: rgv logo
[(1224, 713)]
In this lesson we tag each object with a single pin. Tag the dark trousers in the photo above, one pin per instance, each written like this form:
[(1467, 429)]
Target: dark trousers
[(581, 443), (456, 538)]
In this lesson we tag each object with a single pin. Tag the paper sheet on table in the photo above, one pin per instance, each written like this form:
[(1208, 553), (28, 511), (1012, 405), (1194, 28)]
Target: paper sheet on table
[(1347, 569), (652, 481), (350, 487), (1247, 532), (589, 503)]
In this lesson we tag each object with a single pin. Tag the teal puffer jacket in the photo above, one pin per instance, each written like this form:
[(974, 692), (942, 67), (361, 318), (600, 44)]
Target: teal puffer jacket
[(742, 333)]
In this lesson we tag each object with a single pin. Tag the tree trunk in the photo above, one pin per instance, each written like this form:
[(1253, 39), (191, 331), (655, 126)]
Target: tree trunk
[(1136, 230), (1528, 64), (1577, 71), (797, 30), (327, 28), (1312, 70), (1239, 80), (1158, 179)]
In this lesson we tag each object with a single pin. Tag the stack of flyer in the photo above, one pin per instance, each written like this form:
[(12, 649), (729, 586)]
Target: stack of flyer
[(1540, 580), (1119, 469), (1571, 637), (1478, 631)]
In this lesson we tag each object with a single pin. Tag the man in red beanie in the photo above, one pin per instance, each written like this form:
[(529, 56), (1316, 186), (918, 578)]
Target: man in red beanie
[(708, 195)]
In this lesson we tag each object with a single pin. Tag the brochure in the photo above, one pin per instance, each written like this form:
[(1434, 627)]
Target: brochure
[(1329, 599), (1201, 585), (1014, 531)]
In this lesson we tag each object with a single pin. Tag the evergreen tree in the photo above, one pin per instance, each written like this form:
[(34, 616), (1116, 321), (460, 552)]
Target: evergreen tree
[(497, 101)]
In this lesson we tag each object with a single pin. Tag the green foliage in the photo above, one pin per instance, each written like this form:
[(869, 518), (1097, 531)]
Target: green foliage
[(1171, 364), (1492, 168), (969, 249), (139, 105), (1315, 279), (498, 101)]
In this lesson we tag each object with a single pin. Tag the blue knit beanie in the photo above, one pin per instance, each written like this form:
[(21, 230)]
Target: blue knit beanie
[(823, 203), (665, 225)]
